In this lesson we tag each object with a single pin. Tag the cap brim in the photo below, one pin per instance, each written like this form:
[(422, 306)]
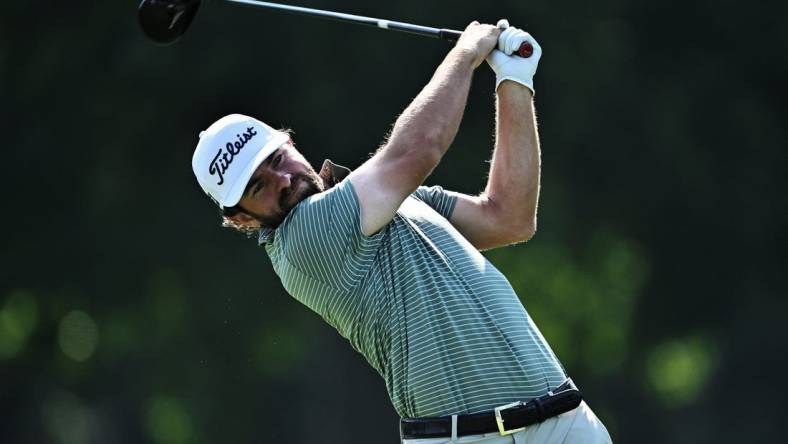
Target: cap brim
[(237, 190)]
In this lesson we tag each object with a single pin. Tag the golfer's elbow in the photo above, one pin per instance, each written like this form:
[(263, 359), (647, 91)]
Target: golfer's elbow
[(526, 233), (514, 224), (522, 230)]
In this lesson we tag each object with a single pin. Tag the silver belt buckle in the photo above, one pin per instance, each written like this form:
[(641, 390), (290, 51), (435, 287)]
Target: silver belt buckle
[(499, 420)]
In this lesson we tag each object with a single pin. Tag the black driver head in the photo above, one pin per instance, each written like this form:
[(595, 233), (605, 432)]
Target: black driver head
[(164, 21)]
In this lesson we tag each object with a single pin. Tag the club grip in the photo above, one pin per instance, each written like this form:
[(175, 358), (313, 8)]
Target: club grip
[(526, 49)]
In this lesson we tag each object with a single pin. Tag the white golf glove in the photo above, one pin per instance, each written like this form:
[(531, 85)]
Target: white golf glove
[(514, 67)]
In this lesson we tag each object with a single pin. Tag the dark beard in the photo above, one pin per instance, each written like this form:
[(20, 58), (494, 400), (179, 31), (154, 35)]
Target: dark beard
[(292, 196)]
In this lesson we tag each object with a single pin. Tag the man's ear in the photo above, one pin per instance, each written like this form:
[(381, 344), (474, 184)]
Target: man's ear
[(242, 219)]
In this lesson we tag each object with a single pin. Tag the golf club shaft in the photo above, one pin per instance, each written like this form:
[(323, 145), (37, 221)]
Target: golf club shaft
[(443, 34)]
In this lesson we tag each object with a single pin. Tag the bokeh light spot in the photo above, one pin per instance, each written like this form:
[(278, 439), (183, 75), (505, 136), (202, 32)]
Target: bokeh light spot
[(68, 420), (679, 369), (167, 421), (78, 335), (18, 319)]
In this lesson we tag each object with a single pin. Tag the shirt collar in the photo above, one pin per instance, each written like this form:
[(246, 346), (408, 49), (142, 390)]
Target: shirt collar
[(331, 174)]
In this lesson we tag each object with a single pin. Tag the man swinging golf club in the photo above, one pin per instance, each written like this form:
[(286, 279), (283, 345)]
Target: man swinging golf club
[(395, 266)]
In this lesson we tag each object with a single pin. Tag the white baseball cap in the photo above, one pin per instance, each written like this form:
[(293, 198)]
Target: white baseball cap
[(229, 152)]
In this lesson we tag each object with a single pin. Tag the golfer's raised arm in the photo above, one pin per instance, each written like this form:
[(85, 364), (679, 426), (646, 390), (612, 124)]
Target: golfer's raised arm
[(423, 132), (505, 213)]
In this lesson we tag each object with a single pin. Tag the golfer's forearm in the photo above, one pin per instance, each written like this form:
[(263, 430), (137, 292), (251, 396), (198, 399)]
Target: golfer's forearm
[(428, 125), (513, 184)]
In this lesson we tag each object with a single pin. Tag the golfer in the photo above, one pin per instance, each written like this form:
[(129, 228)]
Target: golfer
[(395, 266)]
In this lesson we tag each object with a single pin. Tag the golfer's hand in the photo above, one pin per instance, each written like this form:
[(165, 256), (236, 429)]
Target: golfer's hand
[(478, 40), (512, 67)]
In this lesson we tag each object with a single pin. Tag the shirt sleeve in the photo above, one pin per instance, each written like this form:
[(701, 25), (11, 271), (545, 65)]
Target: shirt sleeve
[(439, 199), (322, 238)]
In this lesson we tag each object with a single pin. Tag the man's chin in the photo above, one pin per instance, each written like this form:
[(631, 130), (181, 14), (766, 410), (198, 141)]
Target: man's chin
[(300, 190), (303, 189)]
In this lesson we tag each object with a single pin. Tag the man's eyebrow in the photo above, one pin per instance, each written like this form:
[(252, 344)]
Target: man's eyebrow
[(270, 158), (256, 179)]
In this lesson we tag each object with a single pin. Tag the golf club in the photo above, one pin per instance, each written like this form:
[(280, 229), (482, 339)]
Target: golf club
[(164, 21)]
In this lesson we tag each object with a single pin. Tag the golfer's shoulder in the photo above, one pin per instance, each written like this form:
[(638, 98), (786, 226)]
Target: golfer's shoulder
[(323, 233), (335, 203), (330, 217), (441, 200)]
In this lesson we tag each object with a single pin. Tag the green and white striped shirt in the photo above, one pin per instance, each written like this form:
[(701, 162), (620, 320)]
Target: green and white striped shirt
[(439, 322)]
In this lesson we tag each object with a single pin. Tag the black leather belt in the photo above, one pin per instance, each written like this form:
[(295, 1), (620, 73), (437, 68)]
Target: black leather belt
[(505, 419)]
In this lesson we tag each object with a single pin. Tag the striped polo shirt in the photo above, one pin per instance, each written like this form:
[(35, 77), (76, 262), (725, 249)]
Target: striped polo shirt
[(439, 322)]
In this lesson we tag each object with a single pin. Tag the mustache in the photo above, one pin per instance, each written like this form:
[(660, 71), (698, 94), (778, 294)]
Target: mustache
[(313, 186)]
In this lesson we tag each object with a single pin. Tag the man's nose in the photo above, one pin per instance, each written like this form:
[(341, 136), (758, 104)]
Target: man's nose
[(282, 180)]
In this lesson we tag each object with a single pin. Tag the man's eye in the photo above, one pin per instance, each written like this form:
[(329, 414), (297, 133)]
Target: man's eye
[(258, 186), (277, 159)]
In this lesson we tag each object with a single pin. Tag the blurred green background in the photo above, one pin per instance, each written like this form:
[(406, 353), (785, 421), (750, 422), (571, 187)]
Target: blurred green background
[(127, 315)]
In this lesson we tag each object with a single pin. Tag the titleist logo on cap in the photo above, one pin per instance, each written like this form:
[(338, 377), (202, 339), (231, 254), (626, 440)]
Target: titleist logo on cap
[(223, 158)]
